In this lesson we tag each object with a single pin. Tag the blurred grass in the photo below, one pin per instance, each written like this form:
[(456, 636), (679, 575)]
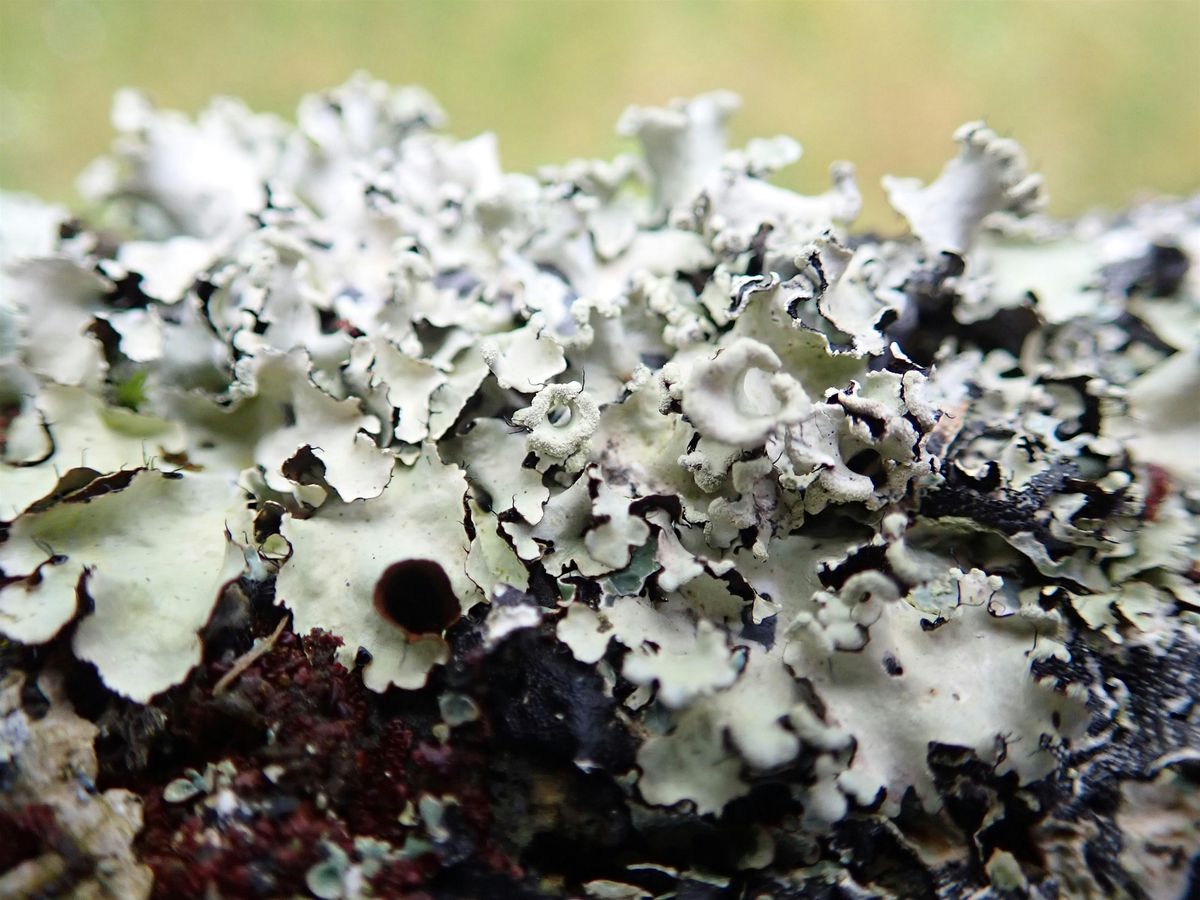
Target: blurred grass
[(1104, 94)]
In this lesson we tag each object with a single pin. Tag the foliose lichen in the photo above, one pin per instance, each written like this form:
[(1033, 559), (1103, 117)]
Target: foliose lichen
[(401, 526)]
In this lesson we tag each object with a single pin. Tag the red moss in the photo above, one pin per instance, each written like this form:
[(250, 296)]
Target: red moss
[(26, 832), (265, 857), (336, 744), (406, 877)]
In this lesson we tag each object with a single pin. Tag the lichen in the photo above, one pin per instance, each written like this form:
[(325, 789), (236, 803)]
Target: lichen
[(634, 528)]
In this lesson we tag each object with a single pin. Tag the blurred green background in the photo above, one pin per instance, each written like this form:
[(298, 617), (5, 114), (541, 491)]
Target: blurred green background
[(1104, 94)]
